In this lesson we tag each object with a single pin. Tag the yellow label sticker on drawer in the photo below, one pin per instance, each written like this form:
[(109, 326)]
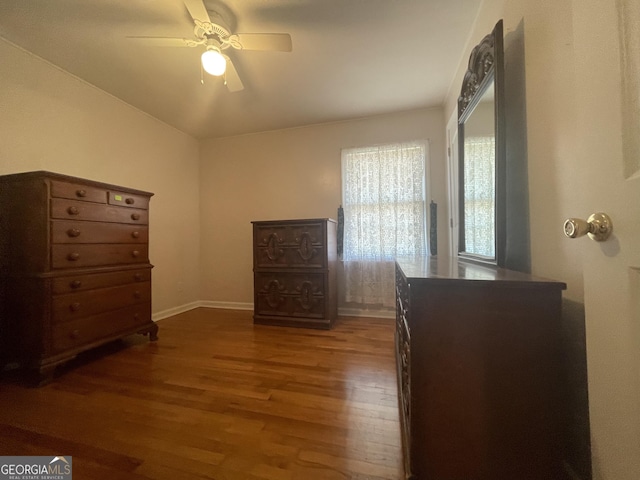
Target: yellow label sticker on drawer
[(118, 197)]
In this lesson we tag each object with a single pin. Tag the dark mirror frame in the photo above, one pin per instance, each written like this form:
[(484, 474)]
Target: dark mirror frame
[(486, 68)]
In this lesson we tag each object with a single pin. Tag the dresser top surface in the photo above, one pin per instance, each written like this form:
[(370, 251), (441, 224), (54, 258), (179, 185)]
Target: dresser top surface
[(433, 269), (293, 221), (42, 174)]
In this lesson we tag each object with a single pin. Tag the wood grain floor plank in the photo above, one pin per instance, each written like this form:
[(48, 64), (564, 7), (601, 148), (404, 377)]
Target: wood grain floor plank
[(219, 398)]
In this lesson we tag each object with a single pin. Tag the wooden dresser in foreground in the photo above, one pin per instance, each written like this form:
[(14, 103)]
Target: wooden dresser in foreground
[(74, 267), (294, 265), (479, 372)]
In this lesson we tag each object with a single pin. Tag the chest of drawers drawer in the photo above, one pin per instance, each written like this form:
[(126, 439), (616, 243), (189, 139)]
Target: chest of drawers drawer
[(290, 294), (83, 332), (90, 302), (290, 245), (69, 231), (78, 210), (127, 200), (77, 191), (74, 256), (80, 282)]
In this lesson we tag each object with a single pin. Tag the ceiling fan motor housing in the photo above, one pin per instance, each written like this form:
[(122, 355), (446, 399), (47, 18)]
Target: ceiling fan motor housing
[(215, 29)]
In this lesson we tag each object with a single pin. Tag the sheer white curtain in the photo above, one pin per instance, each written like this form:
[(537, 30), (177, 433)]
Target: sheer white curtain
[(479, 195), (383, 195)]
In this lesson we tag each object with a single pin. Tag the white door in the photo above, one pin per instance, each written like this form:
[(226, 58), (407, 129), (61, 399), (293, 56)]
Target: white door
[(611, 184)]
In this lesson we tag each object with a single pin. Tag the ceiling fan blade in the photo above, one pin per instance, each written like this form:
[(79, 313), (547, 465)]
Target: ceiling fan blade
[(231, 78), (276, 42), (197, 10), (164, 41)]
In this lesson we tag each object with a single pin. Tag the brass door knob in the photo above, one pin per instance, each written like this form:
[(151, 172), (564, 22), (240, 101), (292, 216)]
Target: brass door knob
[(598, 227)]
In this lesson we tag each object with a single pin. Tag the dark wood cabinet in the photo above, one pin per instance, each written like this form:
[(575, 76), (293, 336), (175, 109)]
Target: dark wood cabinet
[(294, 265), (74, 267), (479, 372)]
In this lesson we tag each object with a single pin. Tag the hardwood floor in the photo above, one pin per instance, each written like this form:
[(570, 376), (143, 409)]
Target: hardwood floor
[(219, 398)]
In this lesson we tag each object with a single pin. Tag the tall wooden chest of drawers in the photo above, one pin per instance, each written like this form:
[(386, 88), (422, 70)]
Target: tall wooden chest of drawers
[(294, 265), (479, 372), (74, 267)]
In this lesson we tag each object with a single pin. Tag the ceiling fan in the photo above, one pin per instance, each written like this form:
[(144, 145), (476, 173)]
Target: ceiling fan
[(215, 36)]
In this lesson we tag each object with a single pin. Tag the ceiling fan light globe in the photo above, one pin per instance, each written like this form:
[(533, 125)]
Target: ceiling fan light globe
[(214, 63)]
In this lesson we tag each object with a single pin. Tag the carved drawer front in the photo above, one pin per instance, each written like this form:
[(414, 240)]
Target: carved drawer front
[(78, 191), (93, 255), (128, 200), (72, 209), (77, 333), (91, 302), (65, 231), (79, 283), (402, 302), (299, 245), (403, 357), (296, 295)]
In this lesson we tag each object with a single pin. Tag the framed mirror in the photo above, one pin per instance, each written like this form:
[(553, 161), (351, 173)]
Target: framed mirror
[(481, 148)]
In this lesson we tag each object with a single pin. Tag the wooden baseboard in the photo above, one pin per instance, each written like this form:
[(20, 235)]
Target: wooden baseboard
[(358, 312), (343, 312), (170, 312)]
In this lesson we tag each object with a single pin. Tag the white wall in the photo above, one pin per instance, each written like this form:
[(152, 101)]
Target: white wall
[(50, 120), (286, 174)]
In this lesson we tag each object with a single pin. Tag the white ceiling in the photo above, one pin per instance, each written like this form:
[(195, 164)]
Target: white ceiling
[(350, 59)]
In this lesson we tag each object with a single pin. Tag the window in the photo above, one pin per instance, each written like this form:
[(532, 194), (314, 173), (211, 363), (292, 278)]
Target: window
[(383, 195)]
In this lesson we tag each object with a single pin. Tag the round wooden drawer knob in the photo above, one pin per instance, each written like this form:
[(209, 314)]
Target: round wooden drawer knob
[(137, 277), (73, 232), (72, 257), (73, 211), (75, 284), (81, 193), (135, 234), (135, 254), (129, 201), (75, 334), (74, 307), (135, 216)]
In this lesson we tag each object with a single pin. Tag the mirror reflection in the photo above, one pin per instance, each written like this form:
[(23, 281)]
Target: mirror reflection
[(479, 177)]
